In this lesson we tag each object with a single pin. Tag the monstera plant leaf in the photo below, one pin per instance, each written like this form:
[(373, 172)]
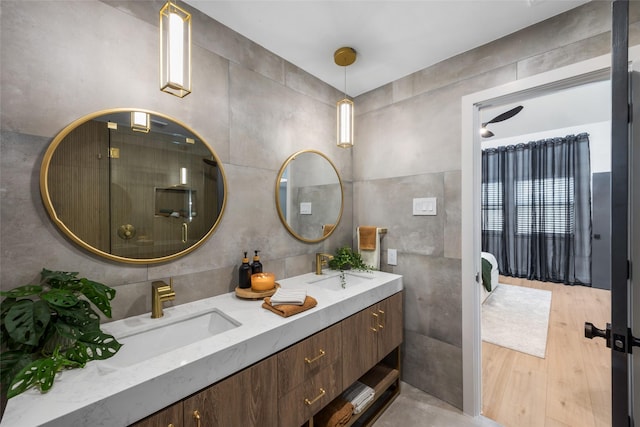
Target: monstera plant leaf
[(52, 326), (93, 346), (27, 320), (39, 373), (99, 294)]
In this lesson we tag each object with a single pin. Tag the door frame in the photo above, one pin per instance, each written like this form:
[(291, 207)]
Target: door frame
[(579, 73)]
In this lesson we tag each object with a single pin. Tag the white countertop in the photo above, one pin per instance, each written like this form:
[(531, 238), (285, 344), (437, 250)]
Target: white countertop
[(99, 395)]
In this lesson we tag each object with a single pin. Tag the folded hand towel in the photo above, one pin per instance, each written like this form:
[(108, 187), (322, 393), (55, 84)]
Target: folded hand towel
[(359, 395), (289, 296), (286, 310), (360, 407), (335, 414), (368, 237)]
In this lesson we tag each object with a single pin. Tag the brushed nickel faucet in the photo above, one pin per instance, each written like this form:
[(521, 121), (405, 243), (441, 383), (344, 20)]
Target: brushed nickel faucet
[(321, 261), (160, 292)]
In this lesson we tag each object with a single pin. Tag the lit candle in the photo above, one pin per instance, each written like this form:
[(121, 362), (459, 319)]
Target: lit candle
[(262, 281)]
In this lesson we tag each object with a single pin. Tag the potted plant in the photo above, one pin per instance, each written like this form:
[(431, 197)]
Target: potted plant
[(52, 326), (346, 259)]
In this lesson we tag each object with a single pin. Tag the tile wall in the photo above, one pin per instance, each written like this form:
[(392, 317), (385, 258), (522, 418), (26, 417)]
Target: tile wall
[(64, 59), (408, 145)]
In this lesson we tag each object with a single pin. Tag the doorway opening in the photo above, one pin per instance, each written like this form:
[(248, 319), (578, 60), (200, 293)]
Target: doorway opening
[(536, 366), (477, 108)]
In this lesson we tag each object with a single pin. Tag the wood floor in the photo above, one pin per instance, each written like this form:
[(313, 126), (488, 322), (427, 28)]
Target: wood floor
[(571, 386)]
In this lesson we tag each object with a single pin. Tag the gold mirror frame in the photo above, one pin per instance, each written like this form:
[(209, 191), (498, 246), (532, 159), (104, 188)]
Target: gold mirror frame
[(124, 230), (283, 219)]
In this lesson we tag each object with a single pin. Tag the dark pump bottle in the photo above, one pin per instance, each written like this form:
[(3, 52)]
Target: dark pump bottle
[(244, 273), (256, 265)]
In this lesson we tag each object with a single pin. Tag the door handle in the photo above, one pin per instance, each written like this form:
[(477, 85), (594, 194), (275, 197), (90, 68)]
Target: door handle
[(618, 342), (592, 332)]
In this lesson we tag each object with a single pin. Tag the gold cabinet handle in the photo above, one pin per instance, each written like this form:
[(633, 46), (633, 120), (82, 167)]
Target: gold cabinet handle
[(196, 416), (320, 354), (374, 319), (185, 232), (315, 399), (382, 319)]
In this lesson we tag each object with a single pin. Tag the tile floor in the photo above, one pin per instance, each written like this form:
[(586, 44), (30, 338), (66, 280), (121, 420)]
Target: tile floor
[(413, 407)]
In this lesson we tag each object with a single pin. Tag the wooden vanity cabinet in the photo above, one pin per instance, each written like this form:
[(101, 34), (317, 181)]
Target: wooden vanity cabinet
[(370, 335), (290, 387), (247, 398), (169, 416), (309, 376)]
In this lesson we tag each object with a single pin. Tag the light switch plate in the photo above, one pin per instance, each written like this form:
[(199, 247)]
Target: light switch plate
[(392, 257), (425, 206), (305, 208)]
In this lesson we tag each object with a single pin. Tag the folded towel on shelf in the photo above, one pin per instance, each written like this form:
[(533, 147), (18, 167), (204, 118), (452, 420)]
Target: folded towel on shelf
[(289, 296), (360, 407), (368, 237), (360, 395), (335, 414), (286, 310)]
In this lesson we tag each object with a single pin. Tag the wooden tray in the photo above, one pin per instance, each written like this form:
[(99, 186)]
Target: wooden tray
[(251, 294)]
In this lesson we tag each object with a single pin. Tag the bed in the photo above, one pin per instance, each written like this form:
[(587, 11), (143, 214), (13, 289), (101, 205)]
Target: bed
[(490, 281)]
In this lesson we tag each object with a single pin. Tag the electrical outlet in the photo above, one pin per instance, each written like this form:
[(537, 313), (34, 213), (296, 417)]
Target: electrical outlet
[(392, 257)]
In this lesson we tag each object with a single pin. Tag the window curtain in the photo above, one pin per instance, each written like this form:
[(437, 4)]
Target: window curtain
[(536, 209)]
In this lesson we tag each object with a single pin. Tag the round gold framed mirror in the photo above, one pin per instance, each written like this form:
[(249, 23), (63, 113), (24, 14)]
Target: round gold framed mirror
[(309, 196), (133, 185)]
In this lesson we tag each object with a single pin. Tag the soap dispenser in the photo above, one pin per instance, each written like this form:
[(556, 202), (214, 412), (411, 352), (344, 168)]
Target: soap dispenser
[(244, 273), (256, 265)]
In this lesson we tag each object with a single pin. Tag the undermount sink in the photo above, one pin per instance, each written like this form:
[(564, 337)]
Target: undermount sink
[(152, 337), (333, 282)]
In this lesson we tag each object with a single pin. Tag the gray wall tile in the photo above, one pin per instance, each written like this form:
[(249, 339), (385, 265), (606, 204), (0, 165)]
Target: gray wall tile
[(389, 203), (452, 214), (418, 135), (432, 305), (433, 366), (61, 61), (408, 135)]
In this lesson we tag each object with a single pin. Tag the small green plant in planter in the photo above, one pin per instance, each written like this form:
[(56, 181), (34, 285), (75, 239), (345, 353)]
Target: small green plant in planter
[(52, 326), (346, 259)]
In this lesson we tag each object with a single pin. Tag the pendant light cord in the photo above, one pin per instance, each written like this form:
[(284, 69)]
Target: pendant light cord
[(345, 82)]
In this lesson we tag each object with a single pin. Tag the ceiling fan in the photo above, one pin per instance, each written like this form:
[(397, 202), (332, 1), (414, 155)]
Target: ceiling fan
[(486, 133)]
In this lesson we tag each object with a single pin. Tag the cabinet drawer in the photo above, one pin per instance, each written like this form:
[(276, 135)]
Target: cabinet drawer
[(300, 362), (308, 398)]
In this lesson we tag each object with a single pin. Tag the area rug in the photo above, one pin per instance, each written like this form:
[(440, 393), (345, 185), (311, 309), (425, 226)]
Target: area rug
[(517, 318)]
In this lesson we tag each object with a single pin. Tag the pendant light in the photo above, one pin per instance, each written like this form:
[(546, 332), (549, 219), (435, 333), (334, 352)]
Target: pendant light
[(140, 121), (344, 57), (175, 50)]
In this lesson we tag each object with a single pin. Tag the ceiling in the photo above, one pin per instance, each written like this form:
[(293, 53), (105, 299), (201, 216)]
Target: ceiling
[(574, 106), (392, 38)]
